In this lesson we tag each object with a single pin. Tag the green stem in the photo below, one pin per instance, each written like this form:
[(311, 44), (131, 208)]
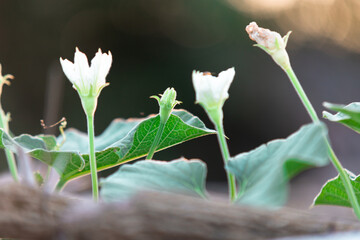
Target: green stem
[(226, 155), (345, 180), (47, 173), (93, 166), (156, 140), (60, 185), (301, 93), (335, 161), (9, 155), (12, 164)]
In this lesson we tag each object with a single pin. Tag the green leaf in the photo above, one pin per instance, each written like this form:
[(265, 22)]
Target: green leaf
[(334, 193), (264, 172), (78, 141), (177, 176), (122, 141), (348, 115)]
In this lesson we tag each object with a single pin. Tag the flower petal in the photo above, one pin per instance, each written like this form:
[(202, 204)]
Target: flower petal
[(69, 70), (226, 78), (82, 70), (100, 66), (88, 81), (212, 91)]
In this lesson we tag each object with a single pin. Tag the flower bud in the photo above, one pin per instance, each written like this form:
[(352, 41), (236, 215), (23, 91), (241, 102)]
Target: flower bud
[(167, 102), (271, 42)]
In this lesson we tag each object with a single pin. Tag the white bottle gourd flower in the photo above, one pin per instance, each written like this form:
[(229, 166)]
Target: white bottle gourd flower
[(88, 80), (211, 91)]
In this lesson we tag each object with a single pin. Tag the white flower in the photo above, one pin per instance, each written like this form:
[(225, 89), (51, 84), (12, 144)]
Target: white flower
[(271, 42), (88, 81), (211, 91)]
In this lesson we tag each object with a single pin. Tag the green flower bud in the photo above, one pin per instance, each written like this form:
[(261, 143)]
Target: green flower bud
[(167, 102)]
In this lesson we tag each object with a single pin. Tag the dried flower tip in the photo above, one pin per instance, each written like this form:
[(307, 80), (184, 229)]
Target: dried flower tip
[(62, 121), (207, 74), (271, 42), (264, 37), (5, 79)]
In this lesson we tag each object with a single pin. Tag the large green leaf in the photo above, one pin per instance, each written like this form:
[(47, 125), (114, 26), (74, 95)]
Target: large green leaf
[(121, 142), (177, 176), (334, 193), (264, 172), (348, 115)]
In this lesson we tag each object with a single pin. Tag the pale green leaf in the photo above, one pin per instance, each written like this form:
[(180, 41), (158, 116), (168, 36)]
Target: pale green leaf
[(177, 176), (348, 115), (264, 172)]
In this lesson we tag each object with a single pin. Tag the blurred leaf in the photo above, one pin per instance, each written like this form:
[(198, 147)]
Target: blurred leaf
[(348, 115), (38, 179), (49, 141), (121, 142), (334, 193), (78, 141), (264, 172), (177, 176)]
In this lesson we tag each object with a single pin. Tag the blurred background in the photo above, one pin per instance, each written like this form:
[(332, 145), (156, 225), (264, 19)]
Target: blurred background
[(158, 43)]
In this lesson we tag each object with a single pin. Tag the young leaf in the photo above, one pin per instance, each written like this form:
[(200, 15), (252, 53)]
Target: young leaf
[(334, 193), (177, 176), (347, 115), (121, 142), (264, 172)]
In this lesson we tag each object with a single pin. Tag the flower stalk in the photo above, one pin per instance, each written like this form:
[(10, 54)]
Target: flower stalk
[(92, 158), (272, 43), (4, 124), (156, 141), (334, 159), (217, 119), (88, 81), (211, 94), (167, 102)]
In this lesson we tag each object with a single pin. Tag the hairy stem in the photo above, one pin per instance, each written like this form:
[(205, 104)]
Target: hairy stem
[(335, 161), (92, 158), (226, 155), (156, 140)]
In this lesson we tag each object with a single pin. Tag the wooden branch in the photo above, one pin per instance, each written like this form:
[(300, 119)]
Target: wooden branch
[(31, 214), (28, 213)]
